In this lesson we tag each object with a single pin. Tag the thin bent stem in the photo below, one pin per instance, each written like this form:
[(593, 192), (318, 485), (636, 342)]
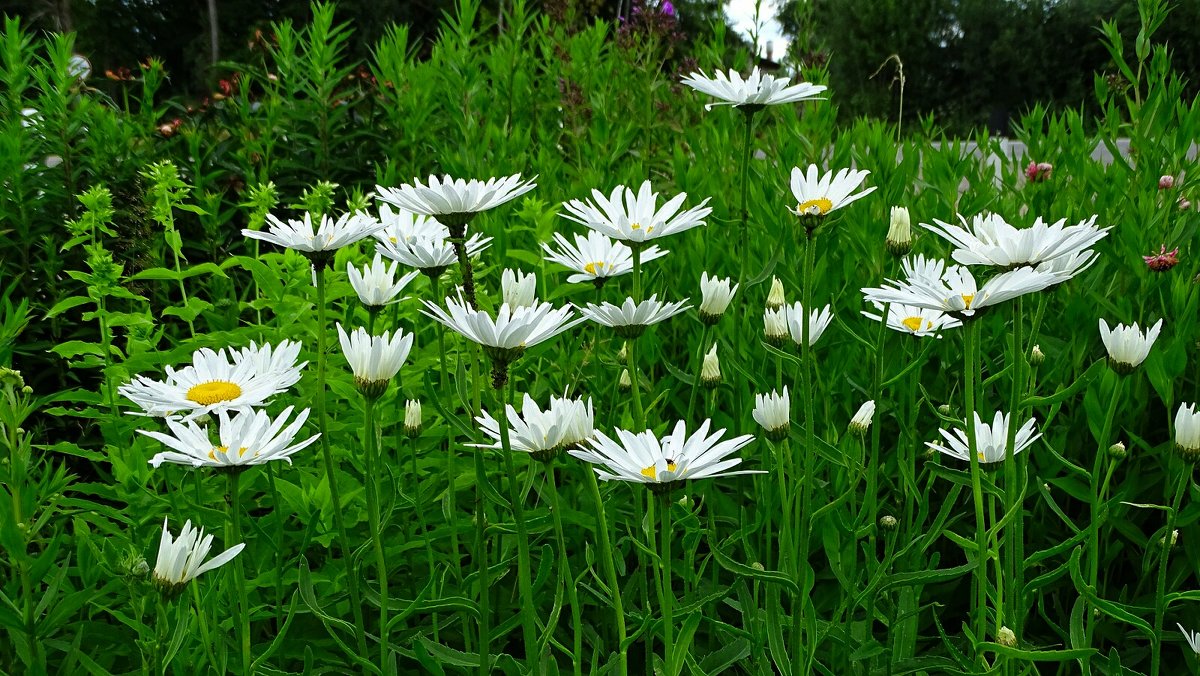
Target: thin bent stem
[(668, 594), (239, 575), (524, 582), (610, 573), (1013, 564), (568, 578)]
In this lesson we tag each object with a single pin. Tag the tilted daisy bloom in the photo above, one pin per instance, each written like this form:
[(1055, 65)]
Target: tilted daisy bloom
[(596, 257), (990, 440), (818, 321), (817, 194), (542, 433), (1192, 638), (400, 225), (753, 92), (775, 326), (710, 369), (1187, 432), (630, 319), (914, 320), (248, 438), (922, 268), (376, 284), (518, 289), (430, 255), (1128, 346), (455, 202), (374, 360), (635, 218), (715, 295), (990, 240), (278, 361), (862, 418), (212, 383), (1067, 267), (957, 291), (181, 560), (774, 413), (661, 464), (317, 242)]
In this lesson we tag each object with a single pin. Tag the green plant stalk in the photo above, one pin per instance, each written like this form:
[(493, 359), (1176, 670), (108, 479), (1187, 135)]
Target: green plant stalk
[(16, 481), (872, 498), (704, 335), (1097, 503), (970, 371), (360, 633), (485, 634), (803, 515), (743, 210), (276, 507), (1160, 590), (1014, 566), (524, 582), (608, 561), (239, 575), (451, 472), (668, 593), (639, 414), (568, 578), (372, 489)]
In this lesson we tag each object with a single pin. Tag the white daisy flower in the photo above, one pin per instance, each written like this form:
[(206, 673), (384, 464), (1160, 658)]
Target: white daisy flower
[(1192, 638), (630, 319), (899, 235), (917, 321), (818, 321), (661, 464), (412, 418), (710, 369), (511, 331), (990, 240), (861, 422), (774, 413), (455, 202), (376, 284), (596, 257), (1068, 266), (775, 297), (430, 255), (715, 295), (213, 384), (775, 326), (957, 292), (1128, 346), (400, 225), (920, 268), (752, 92), (278, 361), (181, 560), (374, 360), (817, 194), (542, 433), (1187, 432), (248, 438), (329, 236), (518, 289), (635, 218), (990, 440)]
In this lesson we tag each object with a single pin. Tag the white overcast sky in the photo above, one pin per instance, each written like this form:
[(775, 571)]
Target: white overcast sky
[(741, 16)]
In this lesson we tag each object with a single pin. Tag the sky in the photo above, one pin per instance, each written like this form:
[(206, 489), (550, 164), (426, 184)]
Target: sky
[(741, 16)]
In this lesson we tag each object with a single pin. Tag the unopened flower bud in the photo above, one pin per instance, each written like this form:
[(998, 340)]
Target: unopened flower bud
[(1163, 260), (623, 354), (686, 502), (1006, 637), (1036, 356), (757, 566), (1037, 172), (1166, 182), (775, 299), (1174, 539), (1117, 451), (716, 295), (888, 522), (710, 371), (862, 419), (899, 236), (775, 327), (944, 409), (412, 418), (625, 383)]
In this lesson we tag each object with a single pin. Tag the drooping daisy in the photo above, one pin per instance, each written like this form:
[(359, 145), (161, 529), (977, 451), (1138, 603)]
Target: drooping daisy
[(775, 326), (401, 225), (430, 255), (543, 433), (630, 319), (774, 413), (455, 202), (181, 560), (596, 257), (1187, 432), (818, 321), (817, 194), (376, 284), (753, 92), (513, 330), (715, 295), (518, 289), (710, 368), (917, 321), (248, 438), (374, 360), (635, 218), (1128, 346), (991, 441), (320, 241), (1192, 638), (861, 422), (279, 361), (990, 240), (958, 293), (212, 383), (661, 464)]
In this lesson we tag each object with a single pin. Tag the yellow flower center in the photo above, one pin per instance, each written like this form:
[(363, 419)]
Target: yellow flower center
[(223, 450), (638, 226), (393, 240), (649, 472), (817, 207), (913, 323), (213, 392), (967, 298), (592, 267), (982, 457)]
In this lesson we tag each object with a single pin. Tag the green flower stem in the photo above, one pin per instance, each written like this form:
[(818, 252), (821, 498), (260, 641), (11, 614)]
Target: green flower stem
[(743, 210), (668, 594), (239, 575), (803, 515), (360, 633), (970, 372), (639, 413), (277, 508), (451, 472), (1097, 502), (568, 578), (1014, 566), (609, 563), (371, 448), (704, 335), (485, 634), (1164, 559), (524, 583)]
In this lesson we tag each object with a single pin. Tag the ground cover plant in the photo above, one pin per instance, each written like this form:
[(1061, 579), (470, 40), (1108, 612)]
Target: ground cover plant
[(655, 367)]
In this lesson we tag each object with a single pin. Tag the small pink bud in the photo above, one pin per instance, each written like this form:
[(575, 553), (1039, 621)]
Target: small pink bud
[(1164, 260), (1166, 182), (167, 130), (1184, 204), (1037, 172)]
